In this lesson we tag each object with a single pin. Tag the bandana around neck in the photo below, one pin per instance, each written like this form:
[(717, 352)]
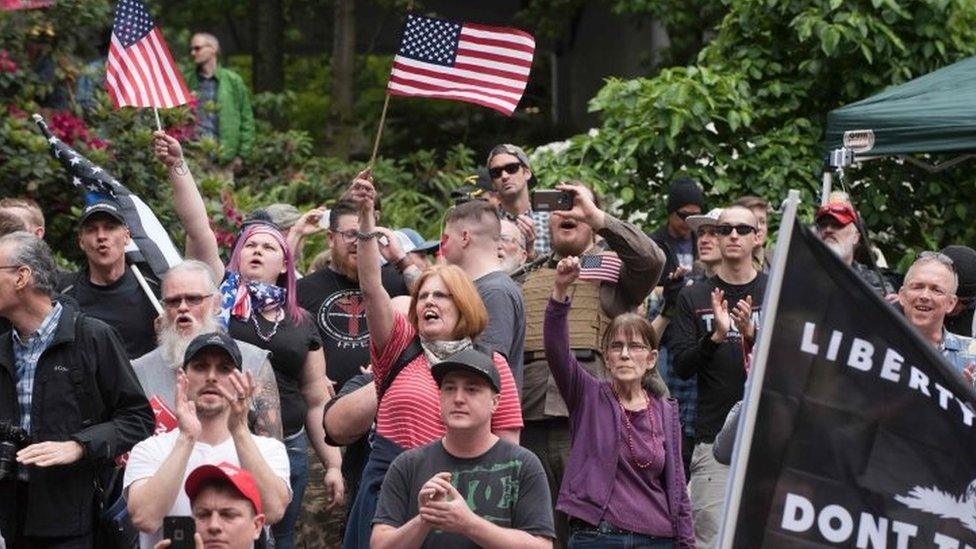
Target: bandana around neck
[(436, 351), (240, 299)]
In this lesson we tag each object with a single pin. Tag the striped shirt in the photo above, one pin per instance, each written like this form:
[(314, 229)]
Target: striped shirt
[(26, 355), (410, 412)]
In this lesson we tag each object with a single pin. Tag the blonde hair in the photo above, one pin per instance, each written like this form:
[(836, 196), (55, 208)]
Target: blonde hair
[(472, 314)]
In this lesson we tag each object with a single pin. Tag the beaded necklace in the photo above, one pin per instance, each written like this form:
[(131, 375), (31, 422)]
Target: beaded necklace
[(274, 329), (629, 429)]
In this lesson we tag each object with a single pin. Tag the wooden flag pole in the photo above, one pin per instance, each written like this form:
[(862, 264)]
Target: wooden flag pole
[(379, 132), (159, 125)]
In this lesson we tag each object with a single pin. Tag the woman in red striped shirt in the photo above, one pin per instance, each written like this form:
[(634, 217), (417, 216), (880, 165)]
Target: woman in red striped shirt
[(446, 314)]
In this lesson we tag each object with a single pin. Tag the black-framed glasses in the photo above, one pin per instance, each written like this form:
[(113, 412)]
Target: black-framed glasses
[(10, 266), (685, 215), (741, 229), (510, 168), (347, 236), (192, 300)]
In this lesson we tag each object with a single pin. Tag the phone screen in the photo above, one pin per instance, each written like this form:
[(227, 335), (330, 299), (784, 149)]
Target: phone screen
[(179, 531)]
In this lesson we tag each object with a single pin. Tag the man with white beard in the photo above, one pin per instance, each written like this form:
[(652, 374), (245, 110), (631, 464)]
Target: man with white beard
[(191, 299), (837, 226)]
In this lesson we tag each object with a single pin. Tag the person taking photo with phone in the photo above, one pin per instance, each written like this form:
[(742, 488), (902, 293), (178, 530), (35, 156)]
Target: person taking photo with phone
[(617, 274)]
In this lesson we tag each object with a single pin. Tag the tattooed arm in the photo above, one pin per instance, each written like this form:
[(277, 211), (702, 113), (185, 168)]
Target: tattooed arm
[(265, 415)]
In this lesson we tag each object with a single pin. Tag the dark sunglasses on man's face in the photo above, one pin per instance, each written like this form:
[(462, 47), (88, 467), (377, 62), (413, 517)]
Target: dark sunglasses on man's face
[(510, 169), (742, 229), (684, 215), (192, 300)]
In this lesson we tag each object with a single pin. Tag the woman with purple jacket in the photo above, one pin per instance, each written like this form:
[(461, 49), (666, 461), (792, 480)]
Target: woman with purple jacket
[(624, 484)]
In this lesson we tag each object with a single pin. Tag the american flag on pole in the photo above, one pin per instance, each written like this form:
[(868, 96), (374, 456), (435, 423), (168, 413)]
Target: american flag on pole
[(465, 62), (141, 71), (150, 241), (600, 268)]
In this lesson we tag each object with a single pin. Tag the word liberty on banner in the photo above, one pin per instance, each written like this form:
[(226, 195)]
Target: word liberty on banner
[(855, 432)]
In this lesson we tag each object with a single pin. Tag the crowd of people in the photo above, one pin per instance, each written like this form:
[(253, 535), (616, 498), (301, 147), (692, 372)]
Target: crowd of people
[(531, 379)]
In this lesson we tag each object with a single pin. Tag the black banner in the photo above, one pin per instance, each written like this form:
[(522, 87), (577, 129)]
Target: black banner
[(864, 436)]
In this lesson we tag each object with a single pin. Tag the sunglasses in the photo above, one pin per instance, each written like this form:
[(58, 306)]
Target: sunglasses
[(741, 229), (510, 169), (191, 299), (684, 215)]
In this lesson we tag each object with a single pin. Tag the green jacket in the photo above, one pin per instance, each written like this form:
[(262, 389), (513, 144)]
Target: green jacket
[(235, 119)]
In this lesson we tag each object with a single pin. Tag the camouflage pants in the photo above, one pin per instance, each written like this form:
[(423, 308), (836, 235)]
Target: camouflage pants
[(318, 528)]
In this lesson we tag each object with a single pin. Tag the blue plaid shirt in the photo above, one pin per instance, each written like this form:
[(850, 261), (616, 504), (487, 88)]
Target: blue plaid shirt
[(26, 355), (543, 242)]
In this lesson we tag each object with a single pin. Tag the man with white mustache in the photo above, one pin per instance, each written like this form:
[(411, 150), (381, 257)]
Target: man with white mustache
[(190, 301), (837, 226)]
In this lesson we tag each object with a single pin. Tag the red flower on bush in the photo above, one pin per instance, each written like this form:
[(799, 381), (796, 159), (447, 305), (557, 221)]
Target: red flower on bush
[(71, 129), (7, 64), (16, 112)]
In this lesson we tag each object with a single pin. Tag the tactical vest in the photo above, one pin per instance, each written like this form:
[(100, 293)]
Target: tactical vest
[(587, 321)]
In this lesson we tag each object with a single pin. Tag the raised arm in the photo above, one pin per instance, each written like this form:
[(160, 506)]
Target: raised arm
[(379, 309), (566, 371), (349, 417), (201, 242)]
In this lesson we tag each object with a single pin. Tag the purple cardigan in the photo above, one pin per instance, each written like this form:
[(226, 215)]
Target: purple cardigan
[(593, 415)]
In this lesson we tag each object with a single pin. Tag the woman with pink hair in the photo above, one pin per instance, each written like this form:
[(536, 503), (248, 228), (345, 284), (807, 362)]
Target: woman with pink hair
[(259, 306)]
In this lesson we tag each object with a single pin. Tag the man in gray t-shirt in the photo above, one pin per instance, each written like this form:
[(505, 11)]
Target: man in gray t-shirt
[(470, 488)]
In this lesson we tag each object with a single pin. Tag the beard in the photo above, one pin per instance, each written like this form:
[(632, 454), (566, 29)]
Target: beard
[(843, 248), (345, 266), (174, 344)]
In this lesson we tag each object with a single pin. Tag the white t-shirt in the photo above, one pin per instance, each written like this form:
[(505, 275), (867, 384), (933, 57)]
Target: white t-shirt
[(147, 456)]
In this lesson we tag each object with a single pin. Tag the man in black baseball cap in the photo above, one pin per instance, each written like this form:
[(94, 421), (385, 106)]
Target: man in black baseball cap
[(425, 497), (106, 288), (214, 341)]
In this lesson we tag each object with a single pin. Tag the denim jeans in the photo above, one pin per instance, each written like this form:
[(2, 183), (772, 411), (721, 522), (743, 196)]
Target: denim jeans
[(586, 539), (284, 529)]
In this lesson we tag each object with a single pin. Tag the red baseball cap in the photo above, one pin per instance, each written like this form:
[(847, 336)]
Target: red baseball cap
[(241, 479), (842, 212)]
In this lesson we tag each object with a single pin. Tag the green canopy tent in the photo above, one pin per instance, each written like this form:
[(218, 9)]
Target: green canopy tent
[(935, 113)]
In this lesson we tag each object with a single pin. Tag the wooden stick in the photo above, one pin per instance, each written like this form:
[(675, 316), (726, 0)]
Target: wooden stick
[(379, 132), (159, 125), (145, 288)]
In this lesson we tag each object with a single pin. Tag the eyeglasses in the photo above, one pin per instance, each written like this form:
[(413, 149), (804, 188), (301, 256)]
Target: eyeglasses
[(10, 266), (192, 300), (706, 230), (198, 48), (617, 347), (741, 229), (939, 257), (437, 295), (510, 169), (347, 236), (685, 215)]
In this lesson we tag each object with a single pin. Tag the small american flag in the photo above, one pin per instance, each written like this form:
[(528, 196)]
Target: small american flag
[(478, 64), (600, 268), (141, 71)]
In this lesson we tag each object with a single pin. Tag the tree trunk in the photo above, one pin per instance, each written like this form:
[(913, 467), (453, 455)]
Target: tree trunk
[(341, 117), (269, 54)]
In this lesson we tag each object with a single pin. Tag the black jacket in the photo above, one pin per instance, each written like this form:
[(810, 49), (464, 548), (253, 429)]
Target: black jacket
[(660, 237), (84, 390)]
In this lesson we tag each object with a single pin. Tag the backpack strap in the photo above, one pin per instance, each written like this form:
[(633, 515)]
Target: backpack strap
[(406, 357)]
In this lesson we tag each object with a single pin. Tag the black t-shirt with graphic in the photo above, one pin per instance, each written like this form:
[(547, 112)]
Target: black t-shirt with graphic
[(720, 366), (506, 486), (336, 305)]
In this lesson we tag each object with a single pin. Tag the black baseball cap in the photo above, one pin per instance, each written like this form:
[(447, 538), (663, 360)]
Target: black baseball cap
[(469, 360), (102, 206), (215, 340)]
